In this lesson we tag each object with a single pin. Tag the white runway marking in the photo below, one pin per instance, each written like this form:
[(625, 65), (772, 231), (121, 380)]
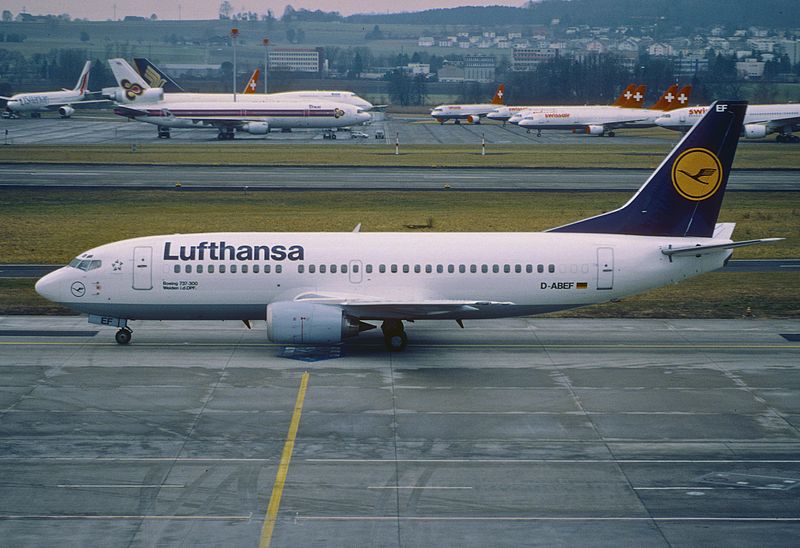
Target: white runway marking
[(413, 487), (122, 517), (116, 486)]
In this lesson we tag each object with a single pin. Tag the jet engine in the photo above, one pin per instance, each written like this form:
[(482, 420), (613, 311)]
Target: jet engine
[(292, 322), (473, 119), (595, 130), (138, 95), (755, 131), (66, 111), (256, 128)]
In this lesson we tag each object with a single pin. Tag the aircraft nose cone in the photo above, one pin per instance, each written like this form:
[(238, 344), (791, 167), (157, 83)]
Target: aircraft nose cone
[(48, 286)]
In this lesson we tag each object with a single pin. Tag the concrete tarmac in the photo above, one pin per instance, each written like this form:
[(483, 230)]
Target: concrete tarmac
[(506, 433), (357, 178)]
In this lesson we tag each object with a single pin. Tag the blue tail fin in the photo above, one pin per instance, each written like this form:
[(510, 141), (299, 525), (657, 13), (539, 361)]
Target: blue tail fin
[(683, 195), (156, 77)]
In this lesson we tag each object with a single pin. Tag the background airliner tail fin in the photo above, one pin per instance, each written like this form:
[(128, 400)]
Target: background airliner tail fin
[(83, 80), (252, 83), (636, 99), (499, 95), (156, 77), (123, 73), (683, 195), (626, 94), (667, 99)]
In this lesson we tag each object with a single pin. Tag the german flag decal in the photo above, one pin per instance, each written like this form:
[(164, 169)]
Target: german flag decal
[(582, 285)]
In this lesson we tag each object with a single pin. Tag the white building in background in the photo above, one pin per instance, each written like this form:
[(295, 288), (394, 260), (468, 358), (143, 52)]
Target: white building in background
[(296, 59)]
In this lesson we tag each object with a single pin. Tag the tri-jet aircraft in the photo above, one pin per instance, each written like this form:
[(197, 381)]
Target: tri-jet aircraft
[(255, 114), (317, 288), (46, 101)]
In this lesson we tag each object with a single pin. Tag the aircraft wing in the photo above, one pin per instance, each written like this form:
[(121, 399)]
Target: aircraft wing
[(362, 306), (75, 104), (779, 122)]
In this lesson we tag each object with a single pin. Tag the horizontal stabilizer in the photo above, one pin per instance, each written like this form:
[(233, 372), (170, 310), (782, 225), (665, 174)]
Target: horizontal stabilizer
[(704, 249)]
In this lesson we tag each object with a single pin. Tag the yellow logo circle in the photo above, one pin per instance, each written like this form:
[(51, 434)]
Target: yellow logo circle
[(697, 174)]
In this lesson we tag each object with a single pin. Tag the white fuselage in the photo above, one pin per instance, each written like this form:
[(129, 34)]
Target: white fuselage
[(277, 114), (341, 97), (236, 275), (683, 119), (42, 101), (582, 117), (462, 112)]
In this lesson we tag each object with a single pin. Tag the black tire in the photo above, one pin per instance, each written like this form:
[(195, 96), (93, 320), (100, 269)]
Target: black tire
[(123, 336), (611, 134), (396, 342)]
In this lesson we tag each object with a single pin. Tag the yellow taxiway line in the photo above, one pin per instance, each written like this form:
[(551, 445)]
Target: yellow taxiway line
[(283, 467)]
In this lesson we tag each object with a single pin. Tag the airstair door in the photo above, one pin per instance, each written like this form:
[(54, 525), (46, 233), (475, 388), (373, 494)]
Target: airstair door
[(605, 268), (143, 268)]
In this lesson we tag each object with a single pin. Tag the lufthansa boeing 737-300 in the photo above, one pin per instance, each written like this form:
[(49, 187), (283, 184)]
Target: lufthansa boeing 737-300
[(319, 288)]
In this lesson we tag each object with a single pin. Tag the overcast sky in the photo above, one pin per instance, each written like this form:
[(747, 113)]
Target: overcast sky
[(209, 9)]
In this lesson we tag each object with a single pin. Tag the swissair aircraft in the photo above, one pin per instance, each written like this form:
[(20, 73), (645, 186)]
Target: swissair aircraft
[(319, 288), (505, 113), (629, 98), (472, 113), (255, 114), (759, 121), (44, 101), (604, 120)]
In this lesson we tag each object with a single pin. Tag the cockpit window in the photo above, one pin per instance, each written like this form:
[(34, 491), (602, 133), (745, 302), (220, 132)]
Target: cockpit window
[(85, 264)]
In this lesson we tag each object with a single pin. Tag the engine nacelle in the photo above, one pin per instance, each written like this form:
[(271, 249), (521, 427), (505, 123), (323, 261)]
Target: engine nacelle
[(256, 128), (291, 322), (595, 130), (66, 111), (473, 119), (135, 94), (755, 131)]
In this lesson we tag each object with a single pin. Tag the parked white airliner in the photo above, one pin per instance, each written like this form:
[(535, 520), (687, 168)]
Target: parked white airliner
[(318, 288), (471, 113), (62, 101), (760, 121)]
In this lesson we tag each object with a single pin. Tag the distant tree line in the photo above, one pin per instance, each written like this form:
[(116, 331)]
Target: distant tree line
[(59, 68)]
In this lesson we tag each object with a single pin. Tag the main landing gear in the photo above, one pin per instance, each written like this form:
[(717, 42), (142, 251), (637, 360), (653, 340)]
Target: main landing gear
[(394, 335), (787, 138), (123, 336), (163, 132), (225, 134)]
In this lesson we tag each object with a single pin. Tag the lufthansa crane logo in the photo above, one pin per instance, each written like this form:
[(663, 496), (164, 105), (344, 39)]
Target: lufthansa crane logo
[(132, 90), (697, 174)]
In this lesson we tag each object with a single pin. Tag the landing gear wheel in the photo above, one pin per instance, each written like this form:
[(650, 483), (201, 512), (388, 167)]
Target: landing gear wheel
[(611, 134), (396, 342), (394, 335), (123, 336)]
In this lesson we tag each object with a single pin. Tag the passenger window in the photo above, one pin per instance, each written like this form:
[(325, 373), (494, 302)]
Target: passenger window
[(322, 269), (233, 269), (518, 268), (485, 268), (355, 268), (462, 268), (507, 268), (177, 269), (188, 269), (495, 268), (333, 269), (199, 269), (211, 269), (301, 268), (244, 269), (405, 269), (473, 268), (222, 269), (266, 269), (417, 269), (312, 268), (439, 268), (382, 268), (428, 269), (369, 269), (540, 268), (451, 268), (551, 268), (343, 270), (255, 269), (529, 268), (278, 269), (394, 269)]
